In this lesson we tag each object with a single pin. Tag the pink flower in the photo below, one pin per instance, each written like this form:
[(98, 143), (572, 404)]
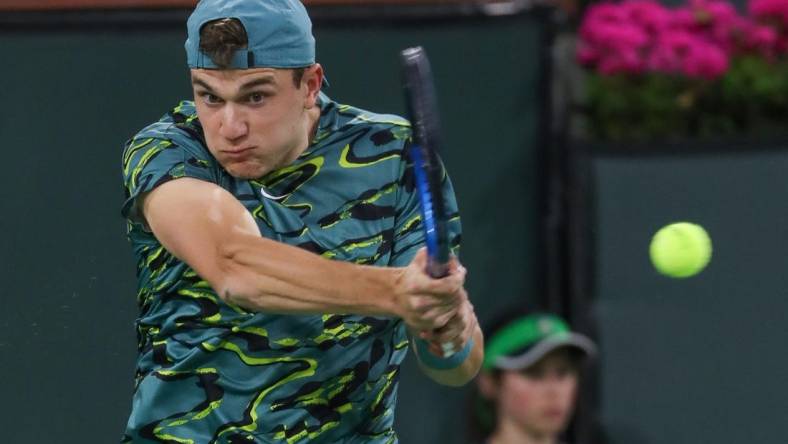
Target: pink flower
[(643, 35), (618, 36), (773, 13), (761, 39), (586, 55), (683, 18), (770, 10), (782, 44), (649, 15), (605, 12), (626, 61), (611, 41), (670, 51), (716, 11), (706, 61), (681, 52), (719, 22)]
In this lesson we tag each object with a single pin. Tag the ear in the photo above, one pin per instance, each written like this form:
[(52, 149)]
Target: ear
[(312, 80), (488, 386)]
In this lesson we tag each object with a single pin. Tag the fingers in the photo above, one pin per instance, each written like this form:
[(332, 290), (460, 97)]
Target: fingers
[(435, 312), (447, 285), (455, 334), (457, 272), (445, 328), (434, 320), (420, 259), (455, 266), (427, 303)]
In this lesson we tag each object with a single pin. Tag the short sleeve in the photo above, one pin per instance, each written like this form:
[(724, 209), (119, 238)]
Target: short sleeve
[(150, 162), (408, 230)]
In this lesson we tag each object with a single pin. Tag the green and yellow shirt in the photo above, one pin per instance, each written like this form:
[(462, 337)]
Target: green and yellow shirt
[(212, 372)]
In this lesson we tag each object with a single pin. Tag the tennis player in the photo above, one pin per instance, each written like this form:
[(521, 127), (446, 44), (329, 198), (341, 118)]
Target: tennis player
[(528, 384), (279, 250)]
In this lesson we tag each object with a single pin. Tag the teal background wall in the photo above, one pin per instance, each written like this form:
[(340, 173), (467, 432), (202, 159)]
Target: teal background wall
[(67, 344), (71, 98), (700, 359)]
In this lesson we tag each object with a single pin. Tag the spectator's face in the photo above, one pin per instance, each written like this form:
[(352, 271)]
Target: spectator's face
[(540, 399), (255, 120)]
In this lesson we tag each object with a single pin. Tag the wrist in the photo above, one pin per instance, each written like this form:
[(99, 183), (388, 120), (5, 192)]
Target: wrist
[(383, 284), (429, 359), (391, 298)]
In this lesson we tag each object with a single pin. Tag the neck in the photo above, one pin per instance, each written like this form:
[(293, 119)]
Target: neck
[(507, 432), (313, 119), (309, 128)]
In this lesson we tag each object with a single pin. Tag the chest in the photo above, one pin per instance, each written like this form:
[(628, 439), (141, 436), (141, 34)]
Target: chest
[(340, 214)]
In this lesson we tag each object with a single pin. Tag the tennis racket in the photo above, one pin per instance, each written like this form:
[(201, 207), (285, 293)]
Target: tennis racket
[(422, 109), (423, 113)]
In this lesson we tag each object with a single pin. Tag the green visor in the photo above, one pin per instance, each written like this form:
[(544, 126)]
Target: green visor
[(525, 340)]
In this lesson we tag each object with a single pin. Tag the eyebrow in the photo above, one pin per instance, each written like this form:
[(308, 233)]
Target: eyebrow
[(266, 80), (198, 82), (260, 81)]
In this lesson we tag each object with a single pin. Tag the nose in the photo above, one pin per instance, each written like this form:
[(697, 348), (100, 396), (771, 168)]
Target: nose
[(233, 125)]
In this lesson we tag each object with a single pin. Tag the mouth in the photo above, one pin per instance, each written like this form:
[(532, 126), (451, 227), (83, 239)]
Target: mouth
[(554, 413), (233, 153)]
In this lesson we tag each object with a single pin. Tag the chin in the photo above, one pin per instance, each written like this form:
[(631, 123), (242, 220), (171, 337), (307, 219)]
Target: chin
[(554, 425), (246, 171)]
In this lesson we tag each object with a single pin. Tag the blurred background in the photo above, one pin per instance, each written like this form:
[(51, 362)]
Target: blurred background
[(573, 131)]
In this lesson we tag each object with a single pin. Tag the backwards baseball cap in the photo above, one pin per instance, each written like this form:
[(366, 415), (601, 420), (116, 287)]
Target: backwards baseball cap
[(279, 31), (522, 342)]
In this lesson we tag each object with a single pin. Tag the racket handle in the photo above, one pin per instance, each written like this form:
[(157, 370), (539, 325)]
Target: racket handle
[(437, 269)]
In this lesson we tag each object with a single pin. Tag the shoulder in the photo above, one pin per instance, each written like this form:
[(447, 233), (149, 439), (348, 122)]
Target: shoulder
[(382, 129), (353, 116), (170, 148), (178, 127), (365, 133)]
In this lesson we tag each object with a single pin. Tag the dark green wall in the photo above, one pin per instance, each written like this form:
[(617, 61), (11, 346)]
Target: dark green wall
[(701, 359), (70, 99), (67, 345)]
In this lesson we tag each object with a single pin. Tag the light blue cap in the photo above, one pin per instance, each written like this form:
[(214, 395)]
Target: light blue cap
[(280, 33)]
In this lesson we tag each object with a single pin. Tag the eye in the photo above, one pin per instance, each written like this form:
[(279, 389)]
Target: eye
[(536, 373), (256, 98), (565, 371), (210, 99)]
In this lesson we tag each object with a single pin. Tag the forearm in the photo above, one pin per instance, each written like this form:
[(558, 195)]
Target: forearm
[(208, 228), (264, 275), (466, 371)]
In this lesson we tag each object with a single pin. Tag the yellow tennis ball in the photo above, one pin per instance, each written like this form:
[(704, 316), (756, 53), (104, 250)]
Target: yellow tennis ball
[(680, 249)]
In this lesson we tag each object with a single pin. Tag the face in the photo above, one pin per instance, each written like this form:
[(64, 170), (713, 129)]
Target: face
[(539, 399), (256, 120)]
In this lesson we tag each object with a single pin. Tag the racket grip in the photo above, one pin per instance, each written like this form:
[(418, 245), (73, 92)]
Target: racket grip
[(437, 269)]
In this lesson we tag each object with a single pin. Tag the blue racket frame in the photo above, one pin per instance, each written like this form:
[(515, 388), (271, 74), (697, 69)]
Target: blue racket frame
[(423, 111), (435, 235)]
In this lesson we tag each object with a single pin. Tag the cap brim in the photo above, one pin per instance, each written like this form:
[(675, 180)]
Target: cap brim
[(573, 340)]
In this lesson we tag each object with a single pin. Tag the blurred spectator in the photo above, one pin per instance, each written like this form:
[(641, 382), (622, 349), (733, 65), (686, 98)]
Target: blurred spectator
[(528, 384)]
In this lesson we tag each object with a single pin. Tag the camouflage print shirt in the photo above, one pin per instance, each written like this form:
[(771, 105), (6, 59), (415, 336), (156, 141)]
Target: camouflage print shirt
[(212, 372)]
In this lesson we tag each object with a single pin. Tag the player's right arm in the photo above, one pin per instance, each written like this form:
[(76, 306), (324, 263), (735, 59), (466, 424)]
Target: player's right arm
[(209, 229)]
